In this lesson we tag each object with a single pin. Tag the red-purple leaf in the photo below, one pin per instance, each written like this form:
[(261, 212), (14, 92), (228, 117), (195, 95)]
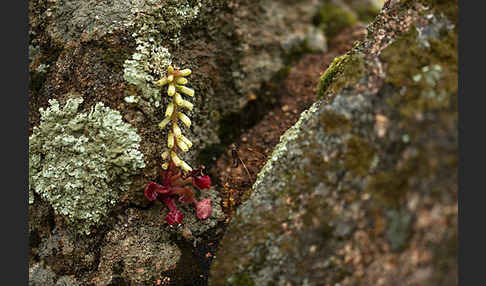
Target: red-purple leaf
[(203, 208), (174, 217), (202, 182), (151, 191)]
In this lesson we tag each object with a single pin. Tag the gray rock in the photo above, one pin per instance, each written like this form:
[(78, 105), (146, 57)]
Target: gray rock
[(344, 199)]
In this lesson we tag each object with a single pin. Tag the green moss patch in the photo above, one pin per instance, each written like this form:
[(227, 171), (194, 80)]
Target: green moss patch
[(335, 123), (343, 71), (358, 156)]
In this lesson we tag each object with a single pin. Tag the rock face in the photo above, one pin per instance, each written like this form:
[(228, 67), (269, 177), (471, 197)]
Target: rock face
[(110, 54), (362, 190)]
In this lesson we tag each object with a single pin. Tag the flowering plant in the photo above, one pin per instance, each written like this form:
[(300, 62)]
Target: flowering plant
[(175, 185)]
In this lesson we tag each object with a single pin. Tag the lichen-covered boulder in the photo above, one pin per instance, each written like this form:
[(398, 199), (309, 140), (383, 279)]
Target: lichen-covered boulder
[(362, 190)]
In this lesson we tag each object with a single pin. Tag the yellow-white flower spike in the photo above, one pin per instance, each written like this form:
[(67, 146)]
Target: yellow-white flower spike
[(186, 90), (187, 104), (182, 145), (184, 119), (175, 159), (162, 82), (185, 72), (169, 110), (185, 166), (178, 99), (171, 89), (187, 141), (182, 80), (170, 140), (177, 131), (170, 69), (165, 166), (165, 155), (164, 122)]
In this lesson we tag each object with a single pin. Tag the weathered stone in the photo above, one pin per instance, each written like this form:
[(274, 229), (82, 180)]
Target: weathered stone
[(362, 190), (111, 53)]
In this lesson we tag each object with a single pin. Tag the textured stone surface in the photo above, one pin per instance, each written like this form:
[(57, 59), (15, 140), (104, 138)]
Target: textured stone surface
[(362, 190), (111, 52)]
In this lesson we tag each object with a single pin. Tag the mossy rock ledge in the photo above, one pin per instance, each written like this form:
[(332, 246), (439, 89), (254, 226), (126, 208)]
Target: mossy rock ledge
[(362, 190)]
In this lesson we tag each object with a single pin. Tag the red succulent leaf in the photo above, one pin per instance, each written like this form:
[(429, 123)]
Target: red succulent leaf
[(186, 194), (201, 182), (151, 191), (203, 208), (174, 217), (169, 202)]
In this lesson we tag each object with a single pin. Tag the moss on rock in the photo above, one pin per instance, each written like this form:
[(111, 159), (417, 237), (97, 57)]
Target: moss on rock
[(344, 71)]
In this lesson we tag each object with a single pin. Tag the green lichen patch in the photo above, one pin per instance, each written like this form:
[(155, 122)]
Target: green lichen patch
[(81, 163), (148, 60)]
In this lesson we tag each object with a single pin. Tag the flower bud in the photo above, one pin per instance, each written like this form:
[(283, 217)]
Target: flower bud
[(165, 166), (177, 131), (171, 89), (185, 166), (169, 110), (182, 80), (186, 90), (184, 119), (187, 104), (170, 78), (165, 155), (175, 159), (161, 82), (182, 145), (178, 99), (170, 69), (185, 72), (187, 141), (164, 122), (170, 140)]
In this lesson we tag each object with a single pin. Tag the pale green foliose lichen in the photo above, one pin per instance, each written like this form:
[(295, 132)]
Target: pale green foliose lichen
[(156, 25), (81, 163), (148, 59)]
